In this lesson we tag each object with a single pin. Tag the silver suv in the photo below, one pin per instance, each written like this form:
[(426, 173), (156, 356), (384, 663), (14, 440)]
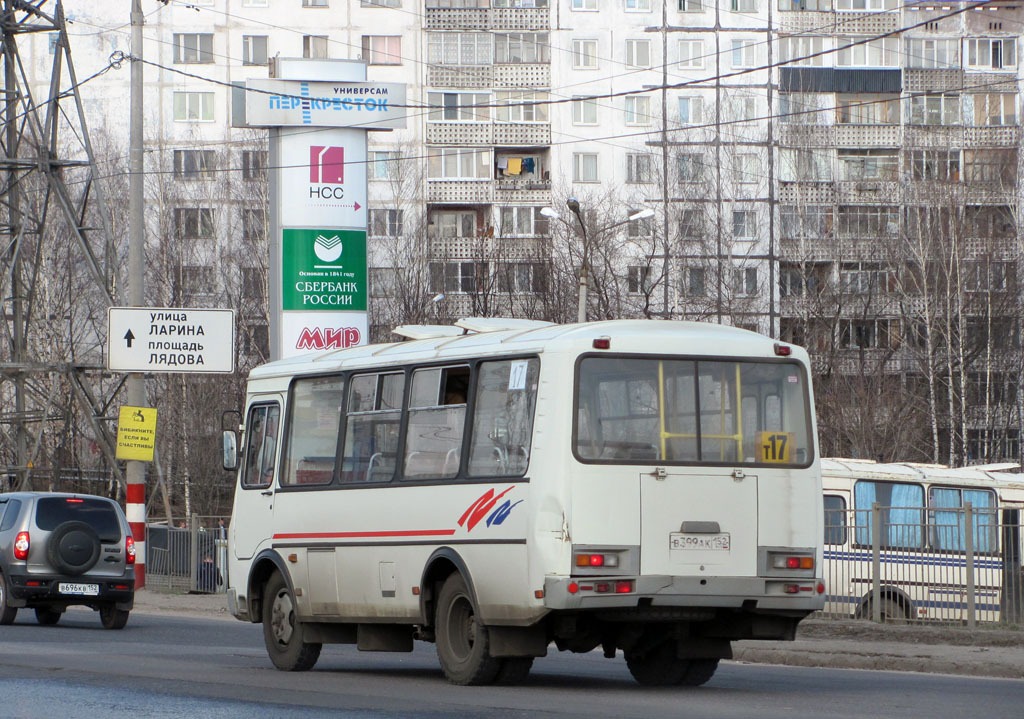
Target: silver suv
[(59, 550)]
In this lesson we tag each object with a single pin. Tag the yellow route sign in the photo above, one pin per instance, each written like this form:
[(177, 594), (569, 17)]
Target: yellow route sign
[(136, 433), (775, 447)]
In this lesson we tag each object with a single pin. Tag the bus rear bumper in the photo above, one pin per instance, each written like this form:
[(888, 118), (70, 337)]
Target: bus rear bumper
[(752, 593)]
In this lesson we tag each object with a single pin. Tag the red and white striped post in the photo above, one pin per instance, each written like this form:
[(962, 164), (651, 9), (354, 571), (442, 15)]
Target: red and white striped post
[(135, 511)]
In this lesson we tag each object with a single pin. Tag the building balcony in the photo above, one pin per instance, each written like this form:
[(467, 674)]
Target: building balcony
[(460, 76), (522, 134), (523, 74), (498, 18), (809, 21), (792, 134), (479, 247), (459, 133), (932, 80), (866, 23), (460, 192), (807, 193), (868, 135), (520, 192), (933, 136), (991, 136), (868, 192)]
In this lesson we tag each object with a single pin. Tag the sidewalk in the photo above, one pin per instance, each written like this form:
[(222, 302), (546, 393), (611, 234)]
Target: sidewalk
[(983, 652)]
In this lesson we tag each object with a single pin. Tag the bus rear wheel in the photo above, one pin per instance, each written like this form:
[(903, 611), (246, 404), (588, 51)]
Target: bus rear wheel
[(462, 640), (283, 633), (658, 666)]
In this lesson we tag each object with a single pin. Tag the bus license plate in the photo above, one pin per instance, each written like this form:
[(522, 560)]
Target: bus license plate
[(699, 542), (88, 590)]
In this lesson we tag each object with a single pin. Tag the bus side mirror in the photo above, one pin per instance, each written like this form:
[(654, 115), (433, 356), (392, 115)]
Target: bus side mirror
[(229, 449)]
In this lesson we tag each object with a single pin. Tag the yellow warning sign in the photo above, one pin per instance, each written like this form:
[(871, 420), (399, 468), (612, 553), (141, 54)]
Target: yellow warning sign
[(136, 433)]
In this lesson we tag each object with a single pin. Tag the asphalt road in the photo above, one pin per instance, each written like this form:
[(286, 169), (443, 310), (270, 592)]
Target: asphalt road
[(176, 667)]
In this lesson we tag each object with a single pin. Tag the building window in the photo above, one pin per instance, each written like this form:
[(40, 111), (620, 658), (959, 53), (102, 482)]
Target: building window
[(382, 49), (522, 277), (584, 167), (691, 167), (254, 49), (690, 225), (588, 5), (314, 3), (745, 281), (865, 4), (314, 47), (744, 225), (193, 48), (584, 111), (194, 164), (255, 3), (254, 286), (746, 168), (802, 50), (254, 224), (865, 221), (644, 227), (521, 47), (382, 3), (638, 5), (638, 110), (801, 5), (460, 48), (638, 53), (932, 53), (940, 165), (459, 106), (522, 222), (935, 109), (811, 222), (584, 54), (521, 106), (868, 110), (639, 280), (193, 106), (864, 278), (383, 282), (383, 165), (987, 276), (802, 165), (639, 168), (858, 165), (995, 109), (193, 223), (991, 166), (744, 53), (459, 164), (691, 5), (691, 110), (195, 281), (457, 276), (385, 223), (453, 224), (254, 165), (691, 53), (869, 334), (881, 52), (743, 5), (696, 281), (992, 53)]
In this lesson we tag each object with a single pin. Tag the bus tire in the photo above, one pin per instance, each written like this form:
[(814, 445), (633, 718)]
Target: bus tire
[(658, 666), (283, 633), (462, 640), (699, 672)]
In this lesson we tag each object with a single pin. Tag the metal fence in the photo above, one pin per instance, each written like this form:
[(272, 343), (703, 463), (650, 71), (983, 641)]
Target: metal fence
[(191, 557), (921, 564)]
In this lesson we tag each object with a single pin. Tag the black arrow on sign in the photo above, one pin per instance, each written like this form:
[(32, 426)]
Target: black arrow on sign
[(129, 337)]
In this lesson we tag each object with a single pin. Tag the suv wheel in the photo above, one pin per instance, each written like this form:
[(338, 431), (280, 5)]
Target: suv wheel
[(7, 614), (112, 617), (47, 616), (73, 548)]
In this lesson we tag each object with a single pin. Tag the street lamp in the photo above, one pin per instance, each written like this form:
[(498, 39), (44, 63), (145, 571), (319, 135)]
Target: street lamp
[(574, 205)]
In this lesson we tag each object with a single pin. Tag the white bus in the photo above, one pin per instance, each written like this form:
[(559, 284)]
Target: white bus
[(644, 486), (928, 565)]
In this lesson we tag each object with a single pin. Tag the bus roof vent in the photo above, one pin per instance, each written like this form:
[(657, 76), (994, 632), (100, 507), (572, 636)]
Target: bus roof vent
[(495, 324), (425, 332)]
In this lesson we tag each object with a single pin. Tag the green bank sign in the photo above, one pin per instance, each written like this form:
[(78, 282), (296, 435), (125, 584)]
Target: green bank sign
[(323, 270)]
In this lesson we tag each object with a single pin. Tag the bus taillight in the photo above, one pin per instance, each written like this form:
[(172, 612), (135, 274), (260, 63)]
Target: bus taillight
[(597, 560)]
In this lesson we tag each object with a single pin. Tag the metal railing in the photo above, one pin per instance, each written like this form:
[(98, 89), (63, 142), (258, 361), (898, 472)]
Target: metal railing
[(192, 556), (922, 564)]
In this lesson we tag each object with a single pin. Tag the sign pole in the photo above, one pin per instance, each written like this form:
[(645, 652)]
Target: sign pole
[(135, 472)]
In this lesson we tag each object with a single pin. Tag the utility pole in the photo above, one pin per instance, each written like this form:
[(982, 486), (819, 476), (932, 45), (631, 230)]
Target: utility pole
[(135, 494)]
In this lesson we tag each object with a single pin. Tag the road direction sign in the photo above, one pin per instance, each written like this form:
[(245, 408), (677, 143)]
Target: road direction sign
[(170, 339)]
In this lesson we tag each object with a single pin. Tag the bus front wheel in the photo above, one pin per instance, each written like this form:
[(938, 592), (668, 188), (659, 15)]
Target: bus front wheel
[(462, 640), (283, 632)]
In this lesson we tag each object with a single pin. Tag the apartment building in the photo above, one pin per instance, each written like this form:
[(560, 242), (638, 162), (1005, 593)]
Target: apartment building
[(815, 166)]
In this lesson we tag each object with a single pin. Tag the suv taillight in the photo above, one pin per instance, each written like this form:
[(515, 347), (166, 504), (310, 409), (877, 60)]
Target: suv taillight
[(129, 550), (21, 545)]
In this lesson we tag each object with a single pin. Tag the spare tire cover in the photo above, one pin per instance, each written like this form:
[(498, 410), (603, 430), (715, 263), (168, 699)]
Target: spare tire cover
[(73, 548)]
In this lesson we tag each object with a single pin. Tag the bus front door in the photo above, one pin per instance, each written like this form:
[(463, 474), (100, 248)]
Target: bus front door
[(252, 518)]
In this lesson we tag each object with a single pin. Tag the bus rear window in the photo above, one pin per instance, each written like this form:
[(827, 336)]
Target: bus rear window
[(692, 412)]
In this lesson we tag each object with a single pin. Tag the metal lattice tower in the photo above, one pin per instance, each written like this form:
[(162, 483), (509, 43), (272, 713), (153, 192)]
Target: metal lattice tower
[(57, 257)]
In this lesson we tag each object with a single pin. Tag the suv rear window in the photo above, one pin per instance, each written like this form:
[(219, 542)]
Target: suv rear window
[(51, 512)]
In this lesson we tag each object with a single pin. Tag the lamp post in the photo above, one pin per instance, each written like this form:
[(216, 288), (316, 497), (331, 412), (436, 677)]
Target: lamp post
[(574, 205)]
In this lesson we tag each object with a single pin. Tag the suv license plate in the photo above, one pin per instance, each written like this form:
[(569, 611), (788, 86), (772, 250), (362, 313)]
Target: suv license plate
[(699, 542), (89, 590)]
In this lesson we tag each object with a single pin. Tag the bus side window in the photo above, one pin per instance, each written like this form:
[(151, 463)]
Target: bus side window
[(315, 415), (506, 394), (835, 519), (371, 434), (437, 417), (261, 443)]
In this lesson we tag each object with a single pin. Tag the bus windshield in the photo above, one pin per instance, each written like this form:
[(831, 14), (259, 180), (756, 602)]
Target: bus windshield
[(631, 410)]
